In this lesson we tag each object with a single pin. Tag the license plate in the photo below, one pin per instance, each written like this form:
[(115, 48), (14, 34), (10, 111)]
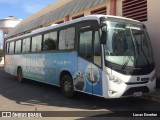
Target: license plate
[(136, 94)]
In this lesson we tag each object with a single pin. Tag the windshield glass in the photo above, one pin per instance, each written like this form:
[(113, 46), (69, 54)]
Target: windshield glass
[(144, 51), (119, 48), (127, 45)]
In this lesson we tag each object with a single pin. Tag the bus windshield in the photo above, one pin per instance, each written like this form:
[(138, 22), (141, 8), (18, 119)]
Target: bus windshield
[(127, 45)]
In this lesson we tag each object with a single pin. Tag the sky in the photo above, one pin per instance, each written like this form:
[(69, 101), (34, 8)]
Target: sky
[(21, 9)]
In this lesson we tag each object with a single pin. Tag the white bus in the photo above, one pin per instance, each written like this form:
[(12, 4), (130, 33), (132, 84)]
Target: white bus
[(102, 55)]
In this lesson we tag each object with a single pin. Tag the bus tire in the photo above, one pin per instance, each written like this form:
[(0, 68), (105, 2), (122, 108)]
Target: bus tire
[(20, 75), (67, 88)]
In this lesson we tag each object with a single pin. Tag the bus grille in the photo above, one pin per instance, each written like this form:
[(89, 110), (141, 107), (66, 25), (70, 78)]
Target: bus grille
[(132, 90)]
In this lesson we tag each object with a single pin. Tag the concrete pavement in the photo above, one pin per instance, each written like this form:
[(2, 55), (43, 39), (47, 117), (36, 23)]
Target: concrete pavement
[(153, 96)]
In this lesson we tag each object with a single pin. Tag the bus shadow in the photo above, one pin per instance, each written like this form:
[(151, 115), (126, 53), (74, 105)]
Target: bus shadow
[(33, 93)]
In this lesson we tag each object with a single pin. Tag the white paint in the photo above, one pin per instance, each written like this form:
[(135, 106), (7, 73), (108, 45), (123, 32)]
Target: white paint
[(35, 63), (120, 89), (9, 22)]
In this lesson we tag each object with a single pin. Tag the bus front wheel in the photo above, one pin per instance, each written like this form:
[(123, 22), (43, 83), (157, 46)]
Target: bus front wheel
[(20, 75), (67, 86)]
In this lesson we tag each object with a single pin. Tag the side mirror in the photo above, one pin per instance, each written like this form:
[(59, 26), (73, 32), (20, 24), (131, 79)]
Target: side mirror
[(103, 27), (103, 37)]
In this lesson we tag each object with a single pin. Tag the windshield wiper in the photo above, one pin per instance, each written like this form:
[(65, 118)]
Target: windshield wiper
[(126, 63), (145, 57)]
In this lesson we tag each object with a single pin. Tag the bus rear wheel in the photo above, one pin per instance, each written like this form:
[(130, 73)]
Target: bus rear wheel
[(19, 75), (67, 88)]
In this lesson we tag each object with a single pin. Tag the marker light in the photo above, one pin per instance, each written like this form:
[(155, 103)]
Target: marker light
[(115, 79)]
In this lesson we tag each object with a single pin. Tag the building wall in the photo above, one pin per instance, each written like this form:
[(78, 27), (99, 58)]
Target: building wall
[(45, 10), (119, 7), (153, 27), (88, 11)]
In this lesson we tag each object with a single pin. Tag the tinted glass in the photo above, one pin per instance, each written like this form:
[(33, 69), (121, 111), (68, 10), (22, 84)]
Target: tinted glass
[(26, 45), (67, 38), (18, 46), (97, 49), (62, 38), (11, 48), (36, 43), (50, 41), (85, 49)]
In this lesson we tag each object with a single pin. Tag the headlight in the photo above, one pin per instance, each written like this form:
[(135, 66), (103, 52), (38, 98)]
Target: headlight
[(153, 77), (115, 79)]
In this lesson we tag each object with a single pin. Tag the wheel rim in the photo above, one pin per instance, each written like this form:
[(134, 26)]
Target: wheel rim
[(67, 87)]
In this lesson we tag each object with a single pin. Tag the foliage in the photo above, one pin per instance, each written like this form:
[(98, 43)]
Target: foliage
[(1, 53)]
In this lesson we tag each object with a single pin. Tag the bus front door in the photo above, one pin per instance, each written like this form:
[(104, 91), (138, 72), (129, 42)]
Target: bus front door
[(88, 78)]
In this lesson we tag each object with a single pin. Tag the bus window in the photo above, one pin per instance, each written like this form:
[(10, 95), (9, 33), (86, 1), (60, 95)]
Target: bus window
[(11, 47), (36, 43), (97, 49), (67, 38), (62, 36), (18, 46), (26, 45), (85, 49), (7, 47), (70, 38), (50, 41)]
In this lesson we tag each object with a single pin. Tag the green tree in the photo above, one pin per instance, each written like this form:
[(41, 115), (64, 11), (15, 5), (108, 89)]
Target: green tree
[(1, 53)]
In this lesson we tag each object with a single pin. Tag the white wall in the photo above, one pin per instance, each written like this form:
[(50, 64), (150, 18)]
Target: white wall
[(153, 26), (9, 23)]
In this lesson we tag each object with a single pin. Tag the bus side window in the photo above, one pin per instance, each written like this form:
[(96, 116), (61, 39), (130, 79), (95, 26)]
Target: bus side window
[(18, 46), (26, 45), (97, 49), (7, 47), (62, 35), (36, 43), (67, 38), (50, 41), (85, 45), (70, 38), (11, 47)]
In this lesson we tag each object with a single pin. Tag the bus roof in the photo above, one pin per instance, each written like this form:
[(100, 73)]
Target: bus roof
[(89, 17)]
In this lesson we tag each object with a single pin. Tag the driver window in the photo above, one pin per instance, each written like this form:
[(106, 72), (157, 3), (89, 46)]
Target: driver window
[(85, 49), (97, 49)]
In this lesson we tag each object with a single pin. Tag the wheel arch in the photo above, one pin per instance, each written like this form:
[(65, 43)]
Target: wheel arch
[(62, 74)]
